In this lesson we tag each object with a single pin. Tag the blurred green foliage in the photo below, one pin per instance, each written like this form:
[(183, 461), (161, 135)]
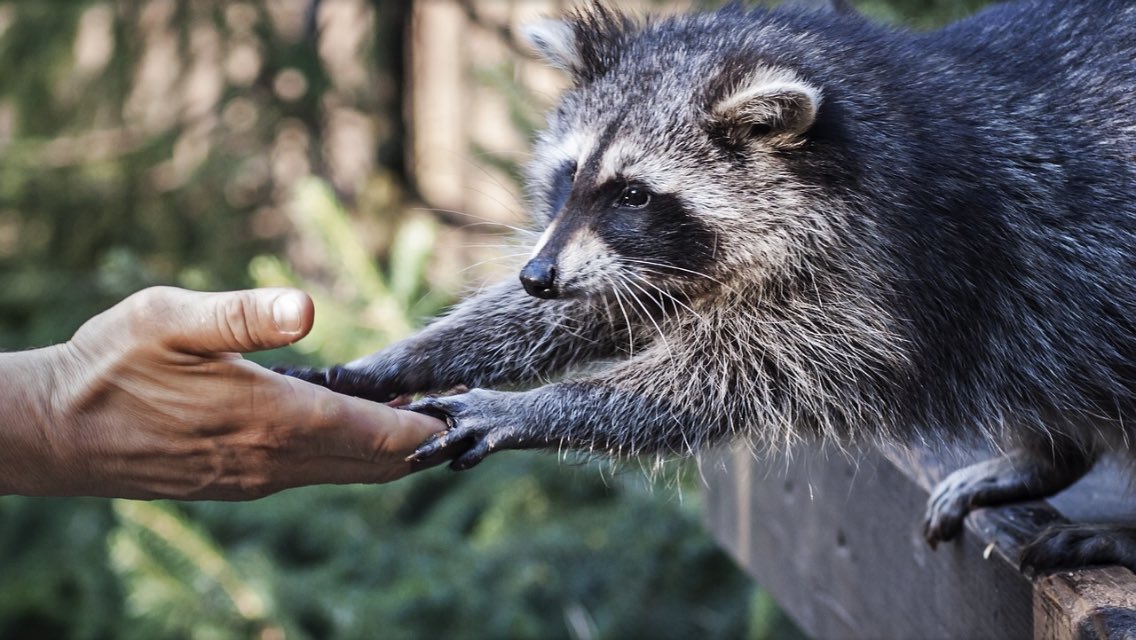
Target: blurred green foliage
[(105, 189)]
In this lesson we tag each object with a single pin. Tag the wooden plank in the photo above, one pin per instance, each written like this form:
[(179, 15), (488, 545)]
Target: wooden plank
[(1098, 603), (836, 540), (1091, 603)]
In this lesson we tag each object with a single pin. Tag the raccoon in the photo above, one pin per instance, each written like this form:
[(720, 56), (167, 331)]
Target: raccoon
[(786, 225)]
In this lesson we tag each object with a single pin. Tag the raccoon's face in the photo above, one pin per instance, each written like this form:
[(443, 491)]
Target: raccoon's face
[(612, 226), (660, 170)]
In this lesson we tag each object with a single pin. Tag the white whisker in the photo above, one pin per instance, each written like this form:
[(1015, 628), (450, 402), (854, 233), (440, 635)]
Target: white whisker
[(665, 294), (481, 220), (646, 311), (672, 267), (489, 260), (626, 319)]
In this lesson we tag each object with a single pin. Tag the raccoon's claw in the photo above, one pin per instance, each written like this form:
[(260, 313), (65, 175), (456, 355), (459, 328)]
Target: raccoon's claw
[(448, 444), (479, 424), (951, 500), (341, 380), (1079, 545), (434, 445)]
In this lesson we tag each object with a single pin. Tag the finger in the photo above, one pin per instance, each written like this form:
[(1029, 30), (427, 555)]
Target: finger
[(335, 424), (235, 321), (346, 471), (301, 473)]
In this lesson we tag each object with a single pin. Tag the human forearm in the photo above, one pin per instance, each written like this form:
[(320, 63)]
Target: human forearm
[(30, 456)]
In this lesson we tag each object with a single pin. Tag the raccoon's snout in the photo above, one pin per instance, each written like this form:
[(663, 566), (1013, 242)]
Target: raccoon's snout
[(539, 278)]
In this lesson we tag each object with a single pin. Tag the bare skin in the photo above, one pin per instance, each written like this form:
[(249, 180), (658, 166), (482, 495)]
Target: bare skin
[(151, 399)]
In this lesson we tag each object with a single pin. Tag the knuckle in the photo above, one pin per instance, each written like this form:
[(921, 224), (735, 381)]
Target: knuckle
[(260, 463), (258, 485), (253, 396), (148, 309), (236, 322)]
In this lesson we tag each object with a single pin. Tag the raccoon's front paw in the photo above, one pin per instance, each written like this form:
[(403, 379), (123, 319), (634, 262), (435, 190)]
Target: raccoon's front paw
[(480, 422), (1079, 545), (346, 381)]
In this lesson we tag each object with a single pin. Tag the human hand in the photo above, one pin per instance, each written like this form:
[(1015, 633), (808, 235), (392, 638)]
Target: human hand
[(151, 399)]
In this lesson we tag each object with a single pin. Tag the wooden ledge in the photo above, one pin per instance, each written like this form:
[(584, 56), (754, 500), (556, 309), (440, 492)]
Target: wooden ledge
[(836, 540)]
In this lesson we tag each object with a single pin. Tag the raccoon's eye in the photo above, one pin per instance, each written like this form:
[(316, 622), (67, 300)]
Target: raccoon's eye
[(633, 197)]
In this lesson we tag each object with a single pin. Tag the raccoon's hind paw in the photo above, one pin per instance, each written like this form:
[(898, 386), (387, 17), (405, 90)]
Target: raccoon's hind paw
[(1016, 476), (342, 380), (959, 493), (480, 423), (1079, 545), (946, 511)]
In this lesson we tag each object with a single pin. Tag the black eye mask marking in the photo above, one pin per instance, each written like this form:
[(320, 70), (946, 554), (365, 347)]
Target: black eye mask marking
[(646, 227)]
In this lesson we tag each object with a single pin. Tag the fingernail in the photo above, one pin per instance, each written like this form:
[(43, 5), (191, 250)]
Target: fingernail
[(287, 312)]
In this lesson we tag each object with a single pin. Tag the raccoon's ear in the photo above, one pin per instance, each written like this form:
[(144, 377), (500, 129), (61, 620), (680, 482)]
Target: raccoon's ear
[(777, 110), (555, 42), (586, 43)]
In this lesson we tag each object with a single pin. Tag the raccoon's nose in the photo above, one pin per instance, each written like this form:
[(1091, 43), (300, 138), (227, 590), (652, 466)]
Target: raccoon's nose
[(539, 278)]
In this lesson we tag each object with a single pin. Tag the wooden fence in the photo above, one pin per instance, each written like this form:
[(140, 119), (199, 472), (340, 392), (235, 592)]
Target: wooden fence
[(836, 540)]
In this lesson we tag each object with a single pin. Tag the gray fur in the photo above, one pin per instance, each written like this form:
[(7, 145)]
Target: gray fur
[(866, 234)]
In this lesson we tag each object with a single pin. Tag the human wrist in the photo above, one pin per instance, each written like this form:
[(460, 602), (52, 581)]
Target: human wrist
[(29, 428)]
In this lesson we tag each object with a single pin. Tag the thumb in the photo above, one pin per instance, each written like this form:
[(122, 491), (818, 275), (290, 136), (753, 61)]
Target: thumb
[(235, 321)]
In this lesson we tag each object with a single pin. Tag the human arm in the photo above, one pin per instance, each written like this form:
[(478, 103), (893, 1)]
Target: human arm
[(151, 399)]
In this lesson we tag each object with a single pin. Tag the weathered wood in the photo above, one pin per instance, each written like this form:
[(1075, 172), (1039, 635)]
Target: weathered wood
[(836, 540), (1086, 604)]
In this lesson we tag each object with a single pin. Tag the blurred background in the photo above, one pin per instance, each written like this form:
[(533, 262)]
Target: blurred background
[(368, 152)]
